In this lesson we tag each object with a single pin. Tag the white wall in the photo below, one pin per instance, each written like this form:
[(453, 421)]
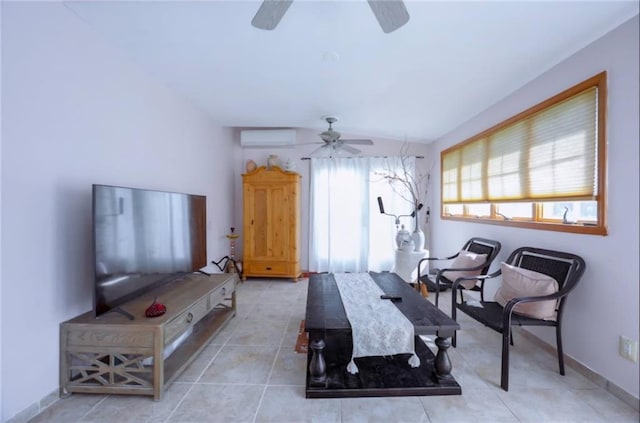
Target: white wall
[(605, 303), (75, 112), (381, 147), (0, 212)]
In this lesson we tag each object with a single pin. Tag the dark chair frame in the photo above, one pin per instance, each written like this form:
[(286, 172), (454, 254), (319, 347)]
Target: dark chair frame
[(475, 245), (565, 268)]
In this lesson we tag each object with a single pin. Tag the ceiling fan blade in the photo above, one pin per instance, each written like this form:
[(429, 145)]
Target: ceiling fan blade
[(347, 148), (358, 141), (391, 14), (317, 150), (270, 13)]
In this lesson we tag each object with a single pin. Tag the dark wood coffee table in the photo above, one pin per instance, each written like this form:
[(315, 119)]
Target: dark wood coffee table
[(330, 346)]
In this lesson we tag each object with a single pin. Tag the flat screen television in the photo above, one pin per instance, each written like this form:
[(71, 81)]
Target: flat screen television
[(142, 239)]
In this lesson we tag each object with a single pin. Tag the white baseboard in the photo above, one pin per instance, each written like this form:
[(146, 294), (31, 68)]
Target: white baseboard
[(36, 408), (594, 377)]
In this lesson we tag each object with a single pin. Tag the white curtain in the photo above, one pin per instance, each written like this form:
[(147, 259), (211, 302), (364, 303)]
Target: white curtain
[(339, 216), (347, 232)]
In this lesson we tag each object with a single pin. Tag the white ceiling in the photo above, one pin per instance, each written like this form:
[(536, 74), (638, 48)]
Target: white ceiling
[(448, 63)]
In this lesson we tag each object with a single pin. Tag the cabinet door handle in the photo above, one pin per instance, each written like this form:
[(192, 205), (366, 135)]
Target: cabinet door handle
[(189, 317), (268, 268)]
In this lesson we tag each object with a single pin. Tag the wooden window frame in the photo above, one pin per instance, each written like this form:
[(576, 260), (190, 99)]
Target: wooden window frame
[(537, 222)]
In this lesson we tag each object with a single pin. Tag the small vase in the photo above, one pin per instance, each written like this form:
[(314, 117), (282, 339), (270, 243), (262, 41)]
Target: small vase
[(418, 236), (402, 235), (290, 165), (407, 245), (251, 166), (418, 239), (273, 161)]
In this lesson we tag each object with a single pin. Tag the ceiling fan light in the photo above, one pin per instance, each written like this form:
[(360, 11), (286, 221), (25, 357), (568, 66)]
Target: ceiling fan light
[(330, 135)]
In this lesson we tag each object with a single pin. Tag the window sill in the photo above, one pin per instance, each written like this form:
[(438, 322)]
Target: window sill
[(578, 228)]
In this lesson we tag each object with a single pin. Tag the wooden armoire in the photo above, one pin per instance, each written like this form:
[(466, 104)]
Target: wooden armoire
[(271, 223)]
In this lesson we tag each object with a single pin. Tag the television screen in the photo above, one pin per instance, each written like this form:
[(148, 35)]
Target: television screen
[(142, 239)]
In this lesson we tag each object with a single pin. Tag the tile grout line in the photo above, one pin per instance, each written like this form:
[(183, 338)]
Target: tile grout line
[(94, 406), (193, 384), (266, 384), (211, 360), (424, 408), (273, 365), (179, 402)]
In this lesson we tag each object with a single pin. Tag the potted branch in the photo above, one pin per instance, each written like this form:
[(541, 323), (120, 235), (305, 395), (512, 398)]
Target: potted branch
[(412, 188)]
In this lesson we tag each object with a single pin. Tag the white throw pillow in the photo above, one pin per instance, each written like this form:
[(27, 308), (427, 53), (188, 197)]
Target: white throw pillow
[(517, 283), (465, 259)]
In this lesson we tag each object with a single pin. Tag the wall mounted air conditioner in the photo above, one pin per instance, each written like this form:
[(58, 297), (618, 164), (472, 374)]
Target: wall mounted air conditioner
[(260, 138)]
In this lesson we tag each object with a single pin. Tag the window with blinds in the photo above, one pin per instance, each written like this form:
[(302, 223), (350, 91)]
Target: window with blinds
[(551, 154)]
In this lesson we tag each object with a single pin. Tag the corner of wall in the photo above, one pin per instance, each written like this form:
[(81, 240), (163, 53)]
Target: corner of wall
[(1, 308)]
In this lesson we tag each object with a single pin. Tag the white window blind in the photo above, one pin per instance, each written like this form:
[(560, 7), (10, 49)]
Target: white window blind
[(550, 155)]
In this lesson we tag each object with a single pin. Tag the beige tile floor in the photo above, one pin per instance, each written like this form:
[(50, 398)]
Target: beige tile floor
[(250, 373)]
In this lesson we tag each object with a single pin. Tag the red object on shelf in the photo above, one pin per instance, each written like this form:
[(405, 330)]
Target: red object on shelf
[(155, 309)]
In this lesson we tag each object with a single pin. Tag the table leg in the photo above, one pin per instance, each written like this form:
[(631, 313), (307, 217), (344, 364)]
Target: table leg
[(442, 362), (317, 366)]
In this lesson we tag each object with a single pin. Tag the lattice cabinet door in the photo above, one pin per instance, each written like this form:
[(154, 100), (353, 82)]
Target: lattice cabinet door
[(108, 359)]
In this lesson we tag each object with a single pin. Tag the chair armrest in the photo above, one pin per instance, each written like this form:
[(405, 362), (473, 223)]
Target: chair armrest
[(508, 308), (434, 259), (458, 269), (441, 258), (457, 282), (477, 278), (515, 301)]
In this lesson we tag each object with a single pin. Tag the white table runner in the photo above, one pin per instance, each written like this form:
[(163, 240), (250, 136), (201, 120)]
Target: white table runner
[(378, 328)]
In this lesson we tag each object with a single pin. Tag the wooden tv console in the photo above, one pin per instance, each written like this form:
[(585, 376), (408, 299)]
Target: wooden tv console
[(112, 354)]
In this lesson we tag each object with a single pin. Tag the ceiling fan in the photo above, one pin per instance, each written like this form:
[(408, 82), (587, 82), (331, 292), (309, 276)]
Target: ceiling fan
[(391, 14), (332, 142)]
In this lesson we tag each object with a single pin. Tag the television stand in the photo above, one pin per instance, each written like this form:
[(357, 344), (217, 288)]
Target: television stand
[(123, 312), (115, 355)]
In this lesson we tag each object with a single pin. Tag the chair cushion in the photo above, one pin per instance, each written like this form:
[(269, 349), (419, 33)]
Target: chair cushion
[(518, 283), (465, 259)]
